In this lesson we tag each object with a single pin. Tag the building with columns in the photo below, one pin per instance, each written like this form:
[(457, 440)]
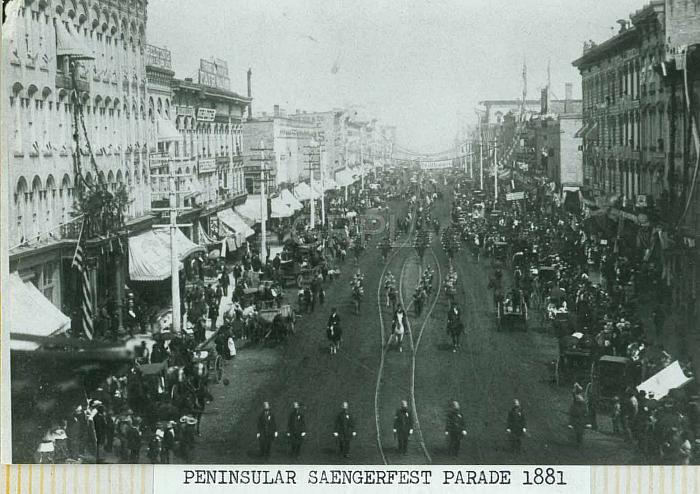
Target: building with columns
[(106, 39)]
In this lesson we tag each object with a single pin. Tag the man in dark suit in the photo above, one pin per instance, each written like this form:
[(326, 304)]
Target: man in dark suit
[(403, 426), (455, 428), (267, 430), (168, 443), (516, 426), (344, 430), (296, 429)]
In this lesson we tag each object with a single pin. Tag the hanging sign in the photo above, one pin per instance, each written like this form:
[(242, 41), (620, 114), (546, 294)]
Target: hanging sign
[(206, 114), (515, 196)]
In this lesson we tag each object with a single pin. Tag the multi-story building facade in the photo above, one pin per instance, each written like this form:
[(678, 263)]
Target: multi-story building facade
[(641, 90), (331, 125), (534, 135), (625, 137), (96, 48), (210, 120), (288, 141)]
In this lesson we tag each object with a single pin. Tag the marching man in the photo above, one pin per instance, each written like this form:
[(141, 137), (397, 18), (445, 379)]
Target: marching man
[(403, 426), (455, 428)]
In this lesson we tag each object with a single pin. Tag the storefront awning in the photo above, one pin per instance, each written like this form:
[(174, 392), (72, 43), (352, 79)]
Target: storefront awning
[(302, 191), (250, 210), (31, 315), (318, 189), (235, 223), (280, 209), (149, 254), (330, 184), (344, 177), (167, 130), (291, 201), (663, 382)]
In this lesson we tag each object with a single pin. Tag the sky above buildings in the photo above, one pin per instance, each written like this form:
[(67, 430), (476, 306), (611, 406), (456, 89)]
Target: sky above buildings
[(421, 65)]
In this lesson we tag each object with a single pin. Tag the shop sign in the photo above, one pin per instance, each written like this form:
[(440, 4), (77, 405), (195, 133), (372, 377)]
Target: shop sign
[(515, 196), (206, 114), (207, 165), (184, 111)]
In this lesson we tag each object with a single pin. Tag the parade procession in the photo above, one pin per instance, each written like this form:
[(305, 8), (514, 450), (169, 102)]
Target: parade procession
[(186, 281)]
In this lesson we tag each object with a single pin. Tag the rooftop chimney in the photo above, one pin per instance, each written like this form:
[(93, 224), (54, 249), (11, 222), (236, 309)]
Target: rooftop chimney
[(276, 110), (250, 94)]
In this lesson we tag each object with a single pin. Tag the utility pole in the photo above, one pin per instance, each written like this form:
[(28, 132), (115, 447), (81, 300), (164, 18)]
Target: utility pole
[(362, 160), (481, 161), (313, 150), (173, 209), (264, 178), (495, 168), (323, 183)]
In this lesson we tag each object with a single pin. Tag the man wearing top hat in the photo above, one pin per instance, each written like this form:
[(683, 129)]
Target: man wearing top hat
[(403, 426), (344, 429), (296, 429), (267, 430)]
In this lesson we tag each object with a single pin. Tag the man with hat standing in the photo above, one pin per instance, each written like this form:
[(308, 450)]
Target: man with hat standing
[(267, 430), (344, 430), (296, 429), (455, 428), (516, 426), (168, 442), (403, 426), (133, 440)]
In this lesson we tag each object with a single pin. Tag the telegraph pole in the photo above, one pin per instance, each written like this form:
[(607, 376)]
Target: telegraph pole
[(313, 150), (481, 161), (173, 209), (362, 160), (495, 168), (320, 137), (264, 178)]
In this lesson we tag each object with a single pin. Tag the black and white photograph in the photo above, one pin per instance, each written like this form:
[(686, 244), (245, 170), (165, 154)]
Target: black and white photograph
[(370, 232)]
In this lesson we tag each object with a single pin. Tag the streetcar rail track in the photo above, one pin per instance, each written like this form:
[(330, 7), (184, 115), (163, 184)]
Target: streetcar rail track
[(380, 370)]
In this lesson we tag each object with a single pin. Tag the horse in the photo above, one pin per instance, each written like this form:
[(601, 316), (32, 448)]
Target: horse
[(357, 292), (334, 334), (397, 333)]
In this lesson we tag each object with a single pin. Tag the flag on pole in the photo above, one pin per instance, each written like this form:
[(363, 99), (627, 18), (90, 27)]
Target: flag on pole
[(86, 309)]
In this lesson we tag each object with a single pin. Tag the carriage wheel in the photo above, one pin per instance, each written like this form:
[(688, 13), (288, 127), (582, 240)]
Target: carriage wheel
[(219, 368)]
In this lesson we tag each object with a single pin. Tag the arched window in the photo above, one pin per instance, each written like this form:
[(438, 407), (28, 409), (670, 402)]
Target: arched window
[(37, 206), (21, 205), (50, 204), (66, 196)]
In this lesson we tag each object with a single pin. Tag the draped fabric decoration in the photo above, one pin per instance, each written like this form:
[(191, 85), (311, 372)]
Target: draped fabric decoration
[(86, 309)]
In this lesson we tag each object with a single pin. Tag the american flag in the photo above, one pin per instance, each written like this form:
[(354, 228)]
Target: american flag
[(86, 309)]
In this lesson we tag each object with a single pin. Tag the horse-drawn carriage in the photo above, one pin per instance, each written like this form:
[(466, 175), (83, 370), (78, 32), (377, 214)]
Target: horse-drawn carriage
[(500, 254), (511, 313), (577, 353), (277, 323), (602, 377)]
